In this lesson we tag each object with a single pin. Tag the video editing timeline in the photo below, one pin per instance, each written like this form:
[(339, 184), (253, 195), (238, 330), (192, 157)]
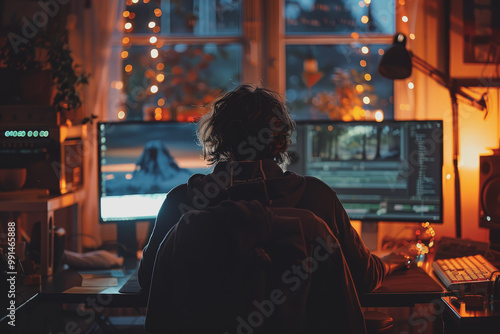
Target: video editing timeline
[(140, 162), (389, 171)]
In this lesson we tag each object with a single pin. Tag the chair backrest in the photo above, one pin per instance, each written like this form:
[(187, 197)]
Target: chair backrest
[(242, 267)]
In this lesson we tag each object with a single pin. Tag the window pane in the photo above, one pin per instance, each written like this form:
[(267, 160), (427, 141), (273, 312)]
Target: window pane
[(340, 16), (182, 78), (337, 82), (186, 17)]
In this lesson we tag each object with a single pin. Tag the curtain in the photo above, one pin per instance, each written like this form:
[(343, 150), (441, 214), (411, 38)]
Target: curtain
[(93, 25)]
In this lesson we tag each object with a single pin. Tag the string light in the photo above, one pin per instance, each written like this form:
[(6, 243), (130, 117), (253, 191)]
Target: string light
[(362, 63), (157, 12), (160, 77), (125, 40), (368, 77), (379, 116), (404, 18), (153, 39), (126, 13), (160, 66), (128, 68), (412, 36), (359, 89), (128, 26), (365, 50), (364, 19), (154, 89), (368, 2), (135, 1), (366, 100), (152, 24), (154, 53), (161, 102), (381, 51), (411, 85), (121, 114), (124, 54)]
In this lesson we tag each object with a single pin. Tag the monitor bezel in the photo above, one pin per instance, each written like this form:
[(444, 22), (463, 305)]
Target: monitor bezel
[(440, 220), (99, 178)]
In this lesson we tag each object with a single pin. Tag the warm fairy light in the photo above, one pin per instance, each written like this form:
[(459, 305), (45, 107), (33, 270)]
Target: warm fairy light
[(364, 19), (121, 114), (156, 29), (381, 51), (362, 63), (158, 111), (154, 53), (125, 40), (124, 54), (368, 2), (159, 45), (354, 35), (402, 2), (129, 3), (160, 66), (135, 1), (152, 24), (404, 18), (128, 68), (158, 117), (366, 100), (154, 89), (126, 13), (145, 1), (117, 84), (361, 4), (359, 89), (157, 12), (160, 77), (132, 15), (128, 26), (330, 127), (153, 39), (412, 36), (368, 77), (379, 116), (129, 176), (161, 102), (448, 176), (411, 85), (365, 49)]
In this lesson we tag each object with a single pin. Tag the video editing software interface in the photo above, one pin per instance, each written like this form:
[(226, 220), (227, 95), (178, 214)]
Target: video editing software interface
[(388, 171), (140, 162)]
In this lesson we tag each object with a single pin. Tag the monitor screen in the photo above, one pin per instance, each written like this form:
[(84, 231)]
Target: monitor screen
[(388, 171), (140, 162)]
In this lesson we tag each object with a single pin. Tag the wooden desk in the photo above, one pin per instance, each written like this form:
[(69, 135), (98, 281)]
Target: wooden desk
[(462, 320)]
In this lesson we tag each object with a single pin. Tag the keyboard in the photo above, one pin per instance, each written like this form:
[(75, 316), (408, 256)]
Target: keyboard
[(464, 272)]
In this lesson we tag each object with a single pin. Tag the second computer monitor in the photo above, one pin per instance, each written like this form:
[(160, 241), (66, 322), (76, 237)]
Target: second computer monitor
[(387, 171)]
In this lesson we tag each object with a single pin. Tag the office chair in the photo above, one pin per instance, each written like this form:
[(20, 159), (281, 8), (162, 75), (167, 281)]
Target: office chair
[(243, 267)]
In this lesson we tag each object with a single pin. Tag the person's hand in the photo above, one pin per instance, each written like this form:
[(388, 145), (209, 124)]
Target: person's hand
[(401, 257)]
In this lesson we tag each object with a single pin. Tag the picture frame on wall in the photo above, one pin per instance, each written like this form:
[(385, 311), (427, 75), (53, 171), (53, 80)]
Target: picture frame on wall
[(475, 41)]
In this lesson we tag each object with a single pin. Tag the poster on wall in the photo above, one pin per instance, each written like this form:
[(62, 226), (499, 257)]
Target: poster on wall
[(475, 41), (481, 31)]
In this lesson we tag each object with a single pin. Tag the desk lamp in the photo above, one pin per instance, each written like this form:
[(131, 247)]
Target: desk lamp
[(397, 63)]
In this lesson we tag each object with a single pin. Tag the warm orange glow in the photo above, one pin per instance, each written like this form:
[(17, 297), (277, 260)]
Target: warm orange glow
[(125, 40), (146, 1), (366, 100), (381, 51), (121, 114), (156, 29), (128, 68), (361, 4), (355, 35), (362, 63), (368, 2), (126, 13), (160, 66), (160, 77), (129, 2), (154, 89), (154, 53), (359, 89), (411, 85), (128, 25), (404, 18), (402, 2), (132, 15), (161, 102), (117, 84), (157, 12), (153, 39), (330, 127), (124, 54), (158, 111), (365, 50), (158, 117), (368, 77), (152, 24), (364, 19), (159, 45), (412, 36), (379, 116), (135, 1)]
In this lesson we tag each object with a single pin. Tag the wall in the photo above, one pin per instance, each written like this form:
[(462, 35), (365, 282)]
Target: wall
[(431, 101)]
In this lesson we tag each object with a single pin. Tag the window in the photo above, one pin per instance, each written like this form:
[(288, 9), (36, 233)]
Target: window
[(178, 55)]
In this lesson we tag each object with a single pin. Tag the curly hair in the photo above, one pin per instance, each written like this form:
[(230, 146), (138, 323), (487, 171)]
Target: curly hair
[(248, 123)]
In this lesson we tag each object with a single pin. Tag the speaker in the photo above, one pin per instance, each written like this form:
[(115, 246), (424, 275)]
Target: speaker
[(489, 191)]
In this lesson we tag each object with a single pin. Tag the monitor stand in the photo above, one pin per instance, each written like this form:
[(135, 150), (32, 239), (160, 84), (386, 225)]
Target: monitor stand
[(127, 239), (369, 234)]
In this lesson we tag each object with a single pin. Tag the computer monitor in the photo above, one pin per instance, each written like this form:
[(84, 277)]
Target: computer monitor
[(387, 171), (139, 163)]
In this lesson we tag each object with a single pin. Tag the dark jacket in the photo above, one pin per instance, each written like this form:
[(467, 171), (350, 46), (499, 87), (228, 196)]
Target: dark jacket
[(242, 267), (264, 180)]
